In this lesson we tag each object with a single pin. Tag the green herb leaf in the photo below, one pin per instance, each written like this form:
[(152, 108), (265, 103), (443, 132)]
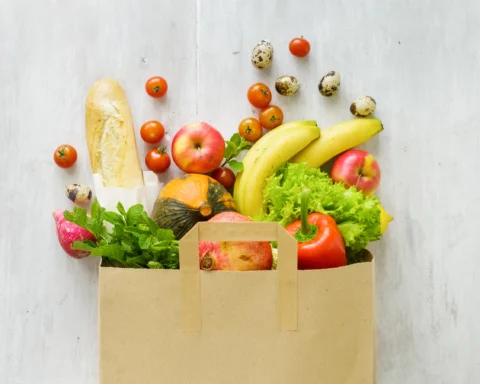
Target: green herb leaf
[(137, 232), (164, 234), (235, 146), (111, 251), (230, 149), (78, 216), (236, 166), (133, 241), (86, 245), (151, 224), (113, 217), (236, 139), (134, 214), (155, 265), (121, 209), (145, 241)]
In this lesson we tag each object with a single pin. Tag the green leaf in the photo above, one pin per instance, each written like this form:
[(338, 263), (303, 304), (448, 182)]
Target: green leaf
[(151, 224), (134, 214), (155, 265), (236, 166), (145, 241), (121, 209), (86, 245), (127, 246), (230, 150), (236, 139), (78, 216), (163, 234), (96, 210), (113, 218), (112, 251), (137, 232)]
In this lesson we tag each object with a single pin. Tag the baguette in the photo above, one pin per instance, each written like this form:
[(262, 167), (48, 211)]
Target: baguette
[(111, 137)]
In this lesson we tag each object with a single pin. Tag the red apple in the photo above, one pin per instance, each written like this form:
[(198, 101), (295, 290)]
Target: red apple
[(234, 255), (198, 148), (359, 169)]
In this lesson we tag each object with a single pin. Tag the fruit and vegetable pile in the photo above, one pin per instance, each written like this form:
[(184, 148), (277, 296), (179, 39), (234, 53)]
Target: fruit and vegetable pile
[(271, 170)]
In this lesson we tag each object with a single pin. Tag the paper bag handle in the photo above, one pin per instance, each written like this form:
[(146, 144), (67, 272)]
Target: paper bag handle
[(287, 282)]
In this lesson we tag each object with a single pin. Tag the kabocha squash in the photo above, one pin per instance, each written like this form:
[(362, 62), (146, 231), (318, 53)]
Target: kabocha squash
[(188, 199)]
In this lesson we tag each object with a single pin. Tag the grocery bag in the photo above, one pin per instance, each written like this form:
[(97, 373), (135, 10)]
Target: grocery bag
[(191, 326)]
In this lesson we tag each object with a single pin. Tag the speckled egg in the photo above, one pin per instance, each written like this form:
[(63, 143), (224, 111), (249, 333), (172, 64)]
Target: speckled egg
[(79, 194), (287, 85), (364, 106), (262, 55), (329, 84)]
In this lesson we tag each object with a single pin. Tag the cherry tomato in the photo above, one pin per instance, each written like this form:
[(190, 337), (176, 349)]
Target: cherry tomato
[(259, 95), (156, 86), (250, 129), (299, 47), (271, 117), (224, 176), (152, 131), (157, 160), (65, 156)]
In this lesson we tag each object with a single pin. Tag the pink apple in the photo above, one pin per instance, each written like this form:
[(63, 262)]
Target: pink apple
[(198, 148), (234, 255), (359, 169)]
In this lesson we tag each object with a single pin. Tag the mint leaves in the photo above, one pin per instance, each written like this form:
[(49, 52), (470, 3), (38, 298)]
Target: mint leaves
[(235, 146), (131, 240)]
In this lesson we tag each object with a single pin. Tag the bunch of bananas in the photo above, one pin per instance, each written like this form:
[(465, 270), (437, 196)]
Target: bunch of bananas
[(298, 142)]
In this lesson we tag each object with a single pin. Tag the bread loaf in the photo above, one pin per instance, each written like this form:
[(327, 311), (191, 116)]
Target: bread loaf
[(111, 137)]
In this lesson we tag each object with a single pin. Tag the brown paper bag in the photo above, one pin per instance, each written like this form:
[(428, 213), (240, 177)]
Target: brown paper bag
[(190, 326)]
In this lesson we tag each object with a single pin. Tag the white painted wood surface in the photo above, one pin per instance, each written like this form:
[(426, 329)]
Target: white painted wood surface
[(419, 59)]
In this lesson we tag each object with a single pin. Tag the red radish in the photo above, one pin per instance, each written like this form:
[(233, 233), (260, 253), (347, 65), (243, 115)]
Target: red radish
[(234, 256), (68, 232)]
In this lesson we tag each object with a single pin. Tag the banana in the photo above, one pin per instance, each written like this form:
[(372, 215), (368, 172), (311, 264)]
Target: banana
[(265, 158), (254, 153), (338, 139)]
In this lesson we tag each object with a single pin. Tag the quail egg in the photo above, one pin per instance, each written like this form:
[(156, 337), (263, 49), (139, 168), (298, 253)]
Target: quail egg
[(364, 106), (262, 55), (329, 84), (79, 194), (287, 85)]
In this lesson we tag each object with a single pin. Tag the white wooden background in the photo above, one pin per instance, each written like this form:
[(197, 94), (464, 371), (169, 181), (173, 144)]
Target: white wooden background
[(420, 61)]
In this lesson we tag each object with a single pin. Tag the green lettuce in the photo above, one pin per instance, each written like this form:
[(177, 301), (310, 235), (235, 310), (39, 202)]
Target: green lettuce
[(357, 216)]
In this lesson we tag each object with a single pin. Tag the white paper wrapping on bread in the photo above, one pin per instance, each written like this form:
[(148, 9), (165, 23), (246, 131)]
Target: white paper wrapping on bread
[(146, 195)]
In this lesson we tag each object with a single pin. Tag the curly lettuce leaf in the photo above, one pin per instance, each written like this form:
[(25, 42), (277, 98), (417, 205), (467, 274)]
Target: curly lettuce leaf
[(357, 216)]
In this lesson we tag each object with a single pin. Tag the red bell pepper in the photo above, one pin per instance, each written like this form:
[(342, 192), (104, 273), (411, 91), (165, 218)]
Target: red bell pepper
[(320, 243)]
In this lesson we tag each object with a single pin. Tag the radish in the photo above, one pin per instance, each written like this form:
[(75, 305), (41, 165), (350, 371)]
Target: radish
[(68, 232)]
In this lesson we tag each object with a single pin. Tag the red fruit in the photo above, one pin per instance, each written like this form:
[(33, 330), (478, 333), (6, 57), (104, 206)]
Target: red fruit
[(233, 255), (299, 47), (224, 176), (359, 169), (198, 148)]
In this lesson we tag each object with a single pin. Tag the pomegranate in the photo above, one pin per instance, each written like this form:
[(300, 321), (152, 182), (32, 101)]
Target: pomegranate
[(234, 255)]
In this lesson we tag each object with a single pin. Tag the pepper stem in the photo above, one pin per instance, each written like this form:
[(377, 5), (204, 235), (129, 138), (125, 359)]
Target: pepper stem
[(304, 211)]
